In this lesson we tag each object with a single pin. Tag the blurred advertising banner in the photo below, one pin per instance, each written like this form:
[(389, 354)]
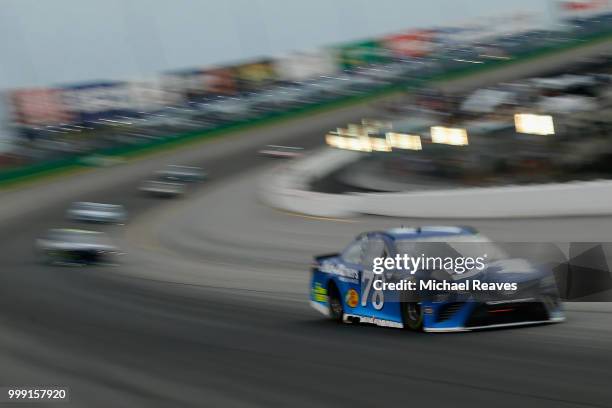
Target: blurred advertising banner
[(361, 53), (94, 101), (570, 9), (456, 35), (151, 95), (300, 66), (219, 81), (87, 102), (255, 75), (186, 85), (479, 30), (41, 106), (7, 137), (410, 44), (509, 24), (198, 83)]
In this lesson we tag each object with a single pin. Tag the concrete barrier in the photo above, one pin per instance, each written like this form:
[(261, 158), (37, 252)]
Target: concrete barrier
[(575, 198), (287, 189)]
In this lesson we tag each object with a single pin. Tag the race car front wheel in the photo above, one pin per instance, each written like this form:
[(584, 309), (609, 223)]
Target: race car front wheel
[(336, 310), (412, 316)]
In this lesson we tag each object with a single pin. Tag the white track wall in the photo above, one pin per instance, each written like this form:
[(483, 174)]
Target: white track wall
[(287, 189)]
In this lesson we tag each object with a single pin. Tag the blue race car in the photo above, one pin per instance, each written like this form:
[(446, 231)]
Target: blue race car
[(348, 288)]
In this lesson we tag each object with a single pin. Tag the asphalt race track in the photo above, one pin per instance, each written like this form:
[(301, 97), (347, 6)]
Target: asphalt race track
[(209, 306)]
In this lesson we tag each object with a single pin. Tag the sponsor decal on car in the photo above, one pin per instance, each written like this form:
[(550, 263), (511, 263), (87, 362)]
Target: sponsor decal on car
[(352, 298), (319, 293), (344, 272), (374, 320)]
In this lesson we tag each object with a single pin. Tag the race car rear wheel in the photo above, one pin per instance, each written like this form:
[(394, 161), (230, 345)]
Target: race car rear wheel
[(336, 309), (412, 316)]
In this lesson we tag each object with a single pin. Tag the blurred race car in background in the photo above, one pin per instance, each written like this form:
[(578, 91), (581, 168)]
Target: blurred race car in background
[(74, 246), (183, 174), (162, 187), (342, 285), (173, 180), (282, 152), (97, 212)]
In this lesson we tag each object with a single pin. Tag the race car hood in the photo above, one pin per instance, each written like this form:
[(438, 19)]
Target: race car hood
[(507, 270), (511, 270)]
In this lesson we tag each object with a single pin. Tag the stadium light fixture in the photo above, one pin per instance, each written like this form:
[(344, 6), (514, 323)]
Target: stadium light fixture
[(334, 140), (531, 124), (356, 130), (360, 144), (449, 136), (379, 144), (404, 141)]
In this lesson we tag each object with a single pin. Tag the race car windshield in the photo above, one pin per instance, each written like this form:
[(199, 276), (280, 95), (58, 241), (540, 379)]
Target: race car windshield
[(167, 178), (95, 206), (178, 175)]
